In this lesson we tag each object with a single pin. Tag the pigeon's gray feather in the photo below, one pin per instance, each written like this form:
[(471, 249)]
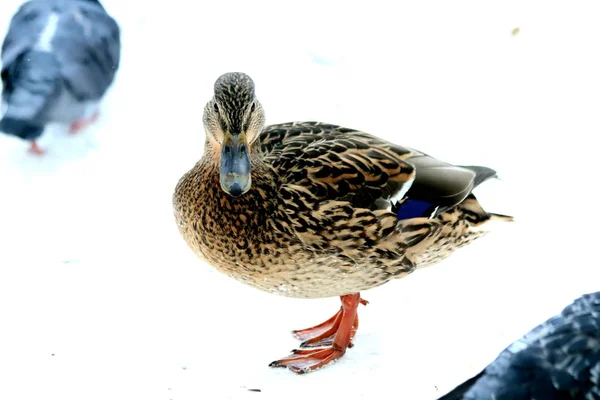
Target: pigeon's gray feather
[(57, 57), (33, 85), (559, 359), (87, 44)]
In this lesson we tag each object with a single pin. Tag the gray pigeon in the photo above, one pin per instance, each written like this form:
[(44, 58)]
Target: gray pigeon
[(58, 60), (559, 359)]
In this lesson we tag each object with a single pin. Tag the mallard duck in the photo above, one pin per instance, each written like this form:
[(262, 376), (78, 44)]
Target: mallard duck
[(59, 59), (313, 210), (558, 359)]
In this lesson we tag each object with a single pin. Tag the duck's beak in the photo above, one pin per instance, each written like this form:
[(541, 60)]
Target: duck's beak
[(235, 164)]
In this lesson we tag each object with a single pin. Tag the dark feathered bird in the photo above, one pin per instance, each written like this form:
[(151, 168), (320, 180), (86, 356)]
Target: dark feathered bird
[(559, 359), (59, 58), (309, 210)]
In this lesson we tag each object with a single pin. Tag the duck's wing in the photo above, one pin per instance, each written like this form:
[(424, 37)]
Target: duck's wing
[(336, 163)]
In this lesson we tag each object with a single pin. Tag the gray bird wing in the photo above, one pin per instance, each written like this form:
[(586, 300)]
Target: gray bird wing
[(86, 43), (24, 31), (30, 79), (560, 357), (88, 46)]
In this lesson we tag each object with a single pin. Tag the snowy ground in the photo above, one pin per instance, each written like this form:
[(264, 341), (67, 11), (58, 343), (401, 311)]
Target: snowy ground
[(101, 299)]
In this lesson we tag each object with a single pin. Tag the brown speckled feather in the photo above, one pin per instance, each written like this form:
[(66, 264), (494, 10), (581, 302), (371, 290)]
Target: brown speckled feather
[(317, 220), (336, 163), (309, 210)]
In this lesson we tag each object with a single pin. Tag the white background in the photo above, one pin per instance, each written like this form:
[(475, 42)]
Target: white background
[(100, 298)]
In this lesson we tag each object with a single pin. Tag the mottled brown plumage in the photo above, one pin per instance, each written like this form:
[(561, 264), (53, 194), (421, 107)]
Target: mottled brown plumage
[(321, 216)]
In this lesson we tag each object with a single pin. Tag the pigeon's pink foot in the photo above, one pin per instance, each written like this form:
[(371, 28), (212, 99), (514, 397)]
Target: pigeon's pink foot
[(78, 125), (35, 149)]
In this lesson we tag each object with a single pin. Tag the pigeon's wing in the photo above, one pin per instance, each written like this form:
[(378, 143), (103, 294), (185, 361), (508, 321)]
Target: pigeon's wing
[(558, 359), (88, 46), (30, 78), (24, 31)]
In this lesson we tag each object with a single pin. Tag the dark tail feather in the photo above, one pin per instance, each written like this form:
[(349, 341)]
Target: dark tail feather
[(31, 83), (459, 392), (20, 128), (482, 173)]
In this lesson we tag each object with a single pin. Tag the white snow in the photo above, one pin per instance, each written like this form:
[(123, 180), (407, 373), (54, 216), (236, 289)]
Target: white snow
[(100, 298)]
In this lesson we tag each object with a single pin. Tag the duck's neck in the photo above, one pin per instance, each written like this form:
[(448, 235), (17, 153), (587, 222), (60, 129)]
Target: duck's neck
[(243, 215)]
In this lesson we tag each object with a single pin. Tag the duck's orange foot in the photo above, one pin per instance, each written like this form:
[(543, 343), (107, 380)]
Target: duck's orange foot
[(78, 125), (320, 335), (323, 334), (35, 149), (303, 361), (332, 337)]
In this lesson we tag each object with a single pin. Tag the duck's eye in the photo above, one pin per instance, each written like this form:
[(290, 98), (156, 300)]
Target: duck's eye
[(216, 107), (253, 107)]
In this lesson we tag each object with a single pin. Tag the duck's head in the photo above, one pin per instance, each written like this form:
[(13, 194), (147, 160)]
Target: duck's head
[(233, 119)]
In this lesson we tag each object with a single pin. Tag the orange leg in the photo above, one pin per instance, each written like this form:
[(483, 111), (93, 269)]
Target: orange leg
[(78, 125), (35, 149), (324, 333), (332, 338)]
